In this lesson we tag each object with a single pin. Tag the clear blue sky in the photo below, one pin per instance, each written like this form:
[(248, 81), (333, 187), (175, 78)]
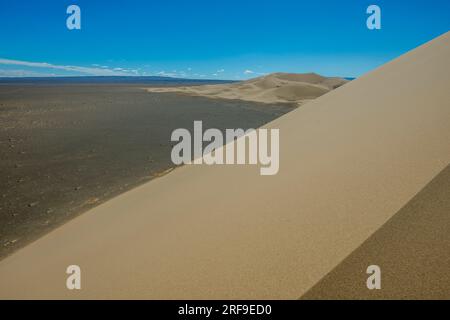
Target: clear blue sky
[(226, 39)]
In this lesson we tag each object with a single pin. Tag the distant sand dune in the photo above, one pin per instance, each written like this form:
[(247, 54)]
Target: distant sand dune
[(349, 160), (273, 88)]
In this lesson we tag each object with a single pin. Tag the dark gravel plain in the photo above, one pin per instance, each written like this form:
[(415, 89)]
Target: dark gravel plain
[(65, 148)]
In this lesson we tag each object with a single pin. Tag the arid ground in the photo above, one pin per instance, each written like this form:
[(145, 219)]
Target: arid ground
[(67, 148)]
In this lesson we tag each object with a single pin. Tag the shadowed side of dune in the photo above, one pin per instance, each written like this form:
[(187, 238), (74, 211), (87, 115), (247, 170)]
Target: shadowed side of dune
[(412, 250)]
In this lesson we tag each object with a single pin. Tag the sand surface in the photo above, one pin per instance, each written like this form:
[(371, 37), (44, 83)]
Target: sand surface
[(412, 250), (350, 160), (273, 88)]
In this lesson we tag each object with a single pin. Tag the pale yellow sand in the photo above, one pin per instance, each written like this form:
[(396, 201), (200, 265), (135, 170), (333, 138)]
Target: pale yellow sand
[(349, 161), (272, 88)]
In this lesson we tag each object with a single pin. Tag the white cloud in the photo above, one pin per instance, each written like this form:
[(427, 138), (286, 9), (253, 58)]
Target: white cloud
[(166, 74), (93, 71), (23, 73), (220, 70), (248, 71), (173, 74)]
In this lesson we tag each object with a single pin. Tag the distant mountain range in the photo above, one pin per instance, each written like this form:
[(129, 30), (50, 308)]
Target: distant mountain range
[(113, 80)]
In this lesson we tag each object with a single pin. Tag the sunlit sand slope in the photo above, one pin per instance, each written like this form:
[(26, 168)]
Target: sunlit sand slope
[(412, 250)]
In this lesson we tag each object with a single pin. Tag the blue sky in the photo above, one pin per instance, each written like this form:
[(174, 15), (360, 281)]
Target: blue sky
[(214, 39)]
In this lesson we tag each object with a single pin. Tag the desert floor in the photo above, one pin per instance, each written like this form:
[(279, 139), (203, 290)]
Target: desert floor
[(67, 148)]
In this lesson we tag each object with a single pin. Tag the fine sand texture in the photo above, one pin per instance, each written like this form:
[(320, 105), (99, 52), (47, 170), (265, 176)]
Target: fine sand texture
[(349, 161), (411, 249), (273, 88)]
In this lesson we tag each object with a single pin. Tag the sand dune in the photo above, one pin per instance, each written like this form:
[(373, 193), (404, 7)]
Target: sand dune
[(412, 249), (272, 88), (349, 161)]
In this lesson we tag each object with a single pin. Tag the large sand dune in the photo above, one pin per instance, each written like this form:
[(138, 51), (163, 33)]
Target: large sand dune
[(272, 88), (349, 161)]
